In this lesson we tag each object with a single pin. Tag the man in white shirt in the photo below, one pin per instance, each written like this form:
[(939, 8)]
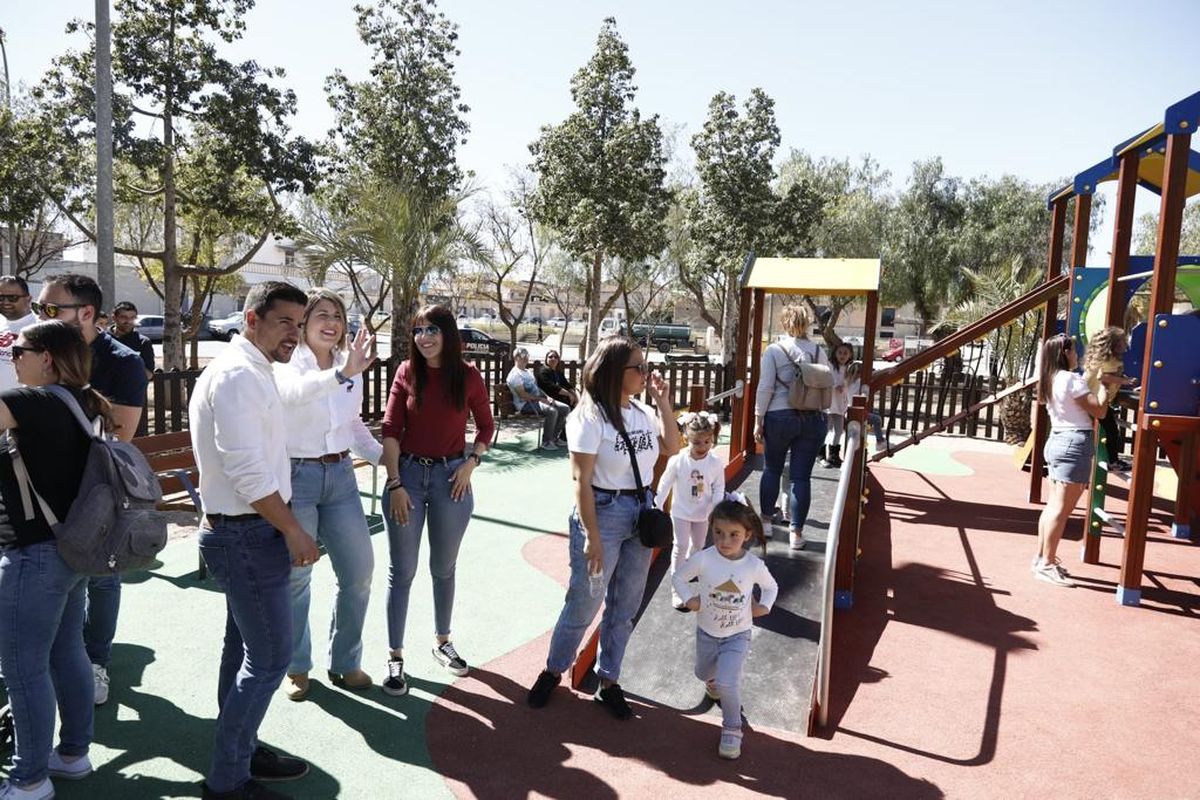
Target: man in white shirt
[(15, 316), (250, 538)]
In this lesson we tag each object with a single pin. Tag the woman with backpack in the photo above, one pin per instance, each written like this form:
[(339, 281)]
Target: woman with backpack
[(42, 657), (784, 430)]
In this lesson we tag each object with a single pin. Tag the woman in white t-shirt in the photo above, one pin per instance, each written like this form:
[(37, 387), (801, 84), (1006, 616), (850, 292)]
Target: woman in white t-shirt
[(608, 561), (1069, 448)]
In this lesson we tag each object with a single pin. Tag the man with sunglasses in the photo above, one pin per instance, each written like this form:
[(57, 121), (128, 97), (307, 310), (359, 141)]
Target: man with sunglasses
[(15, 316), (118, 374)]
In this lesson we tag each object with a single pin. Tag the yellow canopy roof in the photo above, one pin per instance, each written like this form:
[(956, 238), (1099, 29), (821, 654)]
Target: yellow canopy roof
[(817, 276)]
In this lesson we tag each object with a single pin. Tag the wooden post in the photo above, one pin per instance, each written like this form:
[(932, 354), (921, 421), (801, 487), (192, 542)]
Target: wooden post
[(1118, 267), (743, 408), (1181, 527), (847, 552), (759, 309), (1041, 422), (1162, 300), (869, 334)]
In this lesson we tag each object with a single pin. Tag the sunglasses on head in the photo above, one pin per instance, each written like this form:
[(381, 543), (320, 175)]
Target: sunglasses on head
[(11, 298), (427, 330), (19, 350), (51, 310)]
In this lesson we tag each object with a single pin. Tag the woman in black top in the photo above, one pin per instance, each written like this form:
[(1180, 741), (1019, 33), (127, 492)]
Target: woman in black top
[(42, 657), (553, 381)]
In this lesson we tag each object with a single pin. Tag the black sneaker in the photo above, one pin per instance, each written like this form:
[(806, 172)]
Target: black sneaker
[(267, 765), (539, 695), (250, 790), (449, 658), (612, 698), (396, 684)]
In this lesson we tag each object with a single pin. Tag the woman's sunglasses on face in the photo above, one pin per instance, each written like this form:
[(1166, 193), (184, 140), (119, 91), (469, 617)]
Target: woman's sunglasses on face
[(425, 330), (52, 310), (642, 367), (19, 350)]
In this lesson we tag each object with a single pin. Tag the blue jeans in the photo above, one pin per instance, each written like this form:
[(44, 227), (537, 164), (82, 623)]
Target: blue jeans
[(249, 560), (800, 434), (626, 565), (42, 657), (720, 660), (428, 488), (325, 500), (100, 627)]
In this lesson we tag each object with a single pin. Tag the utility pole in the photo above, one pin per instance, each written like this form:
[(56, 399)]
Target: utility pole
[(105, 275), (12, 226)]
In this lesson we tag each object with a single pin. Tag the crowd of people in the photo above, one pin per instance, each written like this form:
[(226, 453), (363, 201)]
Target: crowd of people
[(275, 426)]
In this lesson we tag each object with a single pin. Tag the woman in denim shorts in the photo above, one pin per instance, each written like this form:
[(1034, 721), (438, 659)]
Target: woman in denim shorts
[(1069, 448), (609, 563)]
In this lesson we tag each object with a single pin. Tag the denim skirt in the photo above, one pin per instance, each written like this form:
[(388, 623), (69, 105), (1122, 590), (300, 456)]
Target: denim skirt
[(1069, 455)]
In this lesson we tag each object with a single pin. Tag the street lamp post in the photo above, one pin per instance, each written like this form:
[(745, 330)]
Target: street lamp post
[(12, 227), (105, 275)]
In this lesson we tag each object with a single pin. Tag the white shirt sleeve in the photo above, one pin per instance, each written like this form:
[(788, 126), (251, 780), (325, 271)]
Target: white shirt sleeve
[(1077, 386), (766, 582), (364, 445), (585, 431), (238, 436), (718, 493), (296, 388), (666, 482), (683, 576)]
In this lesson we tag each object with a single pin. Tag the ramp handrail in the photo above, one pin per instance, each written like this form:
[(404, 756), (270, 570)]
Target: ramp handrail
[(840, 503), (964, 336)]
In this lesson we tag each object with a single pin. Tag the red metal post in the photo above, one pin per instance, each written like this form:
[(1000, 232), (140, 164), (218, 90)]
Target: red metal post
[(1162, 301), (743, 408), (759, 308), (1122, 238), (1041, 422)]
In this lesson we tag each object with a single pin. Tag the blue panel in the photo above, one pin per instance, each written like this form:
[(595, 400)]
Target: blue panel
[(1129, 597), (1179, 531), (1086, 181), (1184, 116), (843, 599), (1174, 382), (1085, 284)]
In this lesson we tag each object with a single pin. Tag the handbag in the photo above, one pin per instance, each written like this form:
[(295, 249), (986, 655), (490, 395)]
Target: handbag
[(653, 524)]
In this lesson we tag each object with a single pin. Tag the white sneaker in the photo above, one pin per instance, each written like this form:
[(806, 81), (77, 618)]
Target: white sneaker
[(796, 540), (549, 446), (1053, 573), (100, 676), (59, 767), (731, 744), (42, 791), (1037, 562)]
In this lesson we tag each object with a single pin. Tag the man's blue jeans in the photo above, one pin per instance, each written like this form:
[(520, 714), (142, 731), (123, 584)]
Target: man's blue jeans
[(325, 500), (428, 487), (626, 565), (42, 657), (249, 560), (800, 435), (100, 627)]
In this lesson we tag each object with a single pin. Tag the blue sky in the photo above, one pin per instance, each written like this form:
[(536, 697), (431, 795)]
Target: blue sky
[(1037, 89)]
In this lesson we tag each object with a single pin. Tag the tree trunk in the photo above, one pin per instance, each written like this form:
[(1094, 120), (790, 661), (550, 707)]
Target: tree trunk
[(592, 339), (729, 322), (173, 355), (399, 321)]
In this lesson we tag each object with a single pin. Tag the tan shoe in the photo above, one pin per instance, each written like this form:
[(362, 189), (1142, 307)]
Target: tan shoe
[(296, 687), (356, 680)]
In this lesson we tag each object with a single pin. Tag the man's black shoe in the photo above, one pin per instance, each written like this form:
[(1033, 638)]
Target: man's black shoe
[(250, 790), (539, 695), (267, 765), (612, 698)]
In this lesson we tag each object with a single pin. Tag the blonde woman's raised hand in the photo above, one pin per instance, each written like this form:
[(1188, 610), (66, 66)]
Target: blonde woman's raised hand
[(360, 354)]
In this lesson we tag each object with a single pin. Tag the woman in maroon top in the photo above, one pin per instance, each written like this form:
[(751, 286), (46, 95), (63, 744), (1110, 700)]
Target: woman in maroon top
[(429, 476)]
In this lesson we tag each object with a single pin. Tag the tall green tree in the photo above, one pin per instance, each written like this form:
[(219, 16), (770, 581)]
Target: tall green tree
[(397, 133), (601, 171), (737, 209), (181, 108), (1146, 233), (920, 263)]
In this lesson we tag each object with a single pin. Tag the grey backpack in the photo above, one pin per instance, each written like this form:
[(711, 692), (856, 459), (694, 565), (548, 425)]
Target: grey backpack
[(113, 525), (812, 388)]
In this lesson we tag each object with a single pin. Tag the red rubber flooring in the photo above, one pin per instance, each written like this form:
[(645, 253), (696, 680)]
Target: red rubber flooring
[(956, 675)]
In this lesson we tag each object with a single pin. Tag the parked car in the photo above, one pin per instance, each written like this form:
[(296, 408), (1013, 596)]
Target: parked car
[(226, 327), (664, 336), (476, 341), (557, 322), (895, 351), (151, 326)]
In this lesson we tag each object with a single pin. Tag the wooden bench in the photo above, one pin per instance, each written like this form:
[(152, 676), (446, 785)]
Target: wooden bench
[(174, 462)]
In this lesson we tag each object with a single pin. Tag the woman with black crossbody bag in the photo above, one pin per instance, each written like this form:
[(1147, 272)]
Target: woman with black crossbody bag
[(614, 440)]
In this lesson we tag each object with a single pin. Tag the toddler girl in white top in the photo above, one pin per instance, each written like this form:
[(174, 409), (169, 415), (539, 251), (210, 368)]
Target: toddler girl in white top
[(727, 573), (695, 479)]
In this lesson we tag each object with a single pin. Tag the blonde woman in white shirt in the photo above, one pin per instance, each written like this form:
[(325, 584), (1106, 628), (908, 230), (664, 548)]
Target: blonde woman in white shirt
[(321, 390), (694, 478), (1069, 448), (724, 601)]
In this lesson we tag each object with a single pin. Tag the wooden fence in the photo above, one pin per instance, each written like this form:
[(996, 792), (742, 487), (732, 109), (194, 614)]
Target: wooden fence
[(169, 393)]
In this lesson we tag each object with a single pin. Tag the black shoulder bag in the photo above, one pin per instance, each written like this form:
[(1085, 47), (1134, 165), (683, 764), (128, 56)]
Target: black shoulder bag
[(653, 525)]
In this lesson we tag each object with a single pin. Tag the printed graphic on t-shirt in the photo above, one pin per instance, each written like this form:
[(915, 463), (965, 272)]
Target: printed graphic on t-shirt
[(6, 342), (726, 604), (697, 484), (641, 440)]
